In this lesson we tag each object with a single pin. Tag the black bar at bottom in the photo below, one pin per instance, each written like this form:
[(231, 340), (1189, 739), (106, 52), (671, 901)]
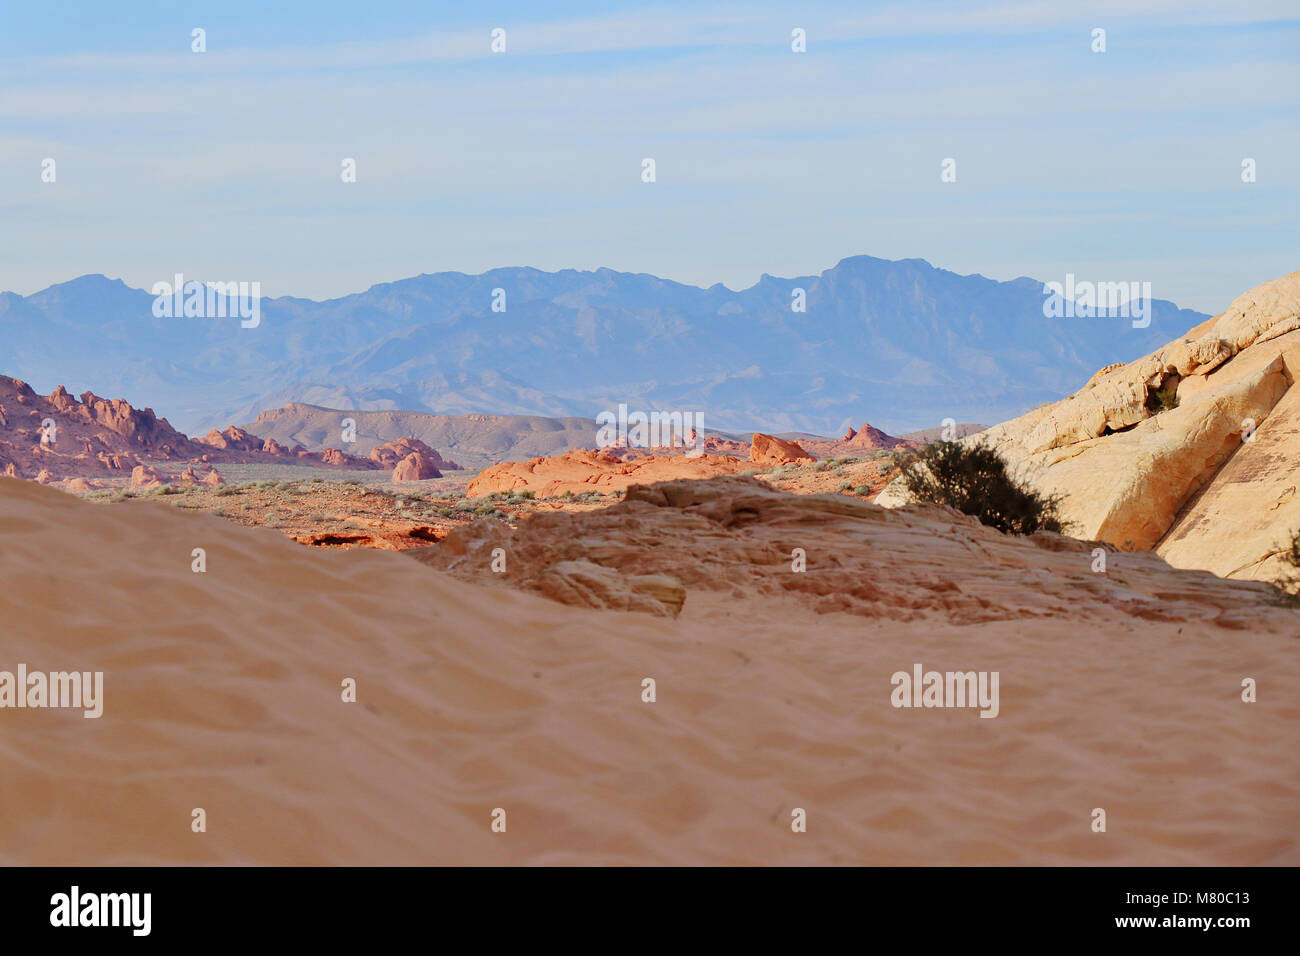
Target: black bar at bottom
[(332, 906)]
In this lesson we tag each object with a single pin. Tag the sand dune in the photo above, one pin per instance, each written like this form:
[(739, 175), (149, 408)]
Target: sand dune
[(222, 691)]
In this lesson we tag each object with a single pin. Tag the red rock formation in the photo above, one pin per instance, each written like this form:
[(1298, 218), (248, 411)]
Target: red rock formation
[(146, 478), (856, 443), (415, 467), (390, 453), (583, 470), (769, 450), (870, 438), (191, 477), (97, 436), (711, 444), (89, 437), (234, 438)]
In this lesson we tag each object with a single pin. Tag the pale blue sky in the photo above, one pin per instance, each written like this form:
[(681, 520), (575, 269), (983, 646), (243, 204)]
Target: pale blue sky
[(225, 165)]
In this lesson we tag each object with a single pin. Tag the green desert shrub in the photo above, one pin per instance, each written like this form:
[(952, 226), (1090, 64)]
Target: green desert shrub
[(974, 480), (1163, 399), (1288, 582)]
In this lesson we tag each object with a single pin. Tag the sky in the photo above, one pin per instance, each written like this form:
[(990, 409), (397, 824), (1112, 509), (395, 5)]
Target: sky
[(226, 165)]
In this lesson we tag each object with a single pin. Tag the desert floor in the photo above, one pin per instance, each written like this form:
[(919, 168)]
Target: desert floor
[(222, 691)]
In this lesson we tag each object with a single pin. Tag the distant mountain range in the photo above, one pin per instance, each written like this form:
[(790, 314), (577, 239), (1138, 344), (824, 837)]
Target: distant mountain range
[(476, 441), (901, 344)]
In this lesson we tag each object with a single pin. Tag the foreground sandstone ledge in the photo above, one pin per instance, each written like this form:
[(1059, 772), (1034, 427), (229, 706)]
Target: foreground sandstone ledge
[(738, 536), (1183, 482), (221, 691)]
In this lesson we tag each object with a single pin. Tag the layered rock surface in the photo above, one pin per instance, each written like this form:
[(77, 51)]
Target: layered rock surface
[(1210, 483), (735, 535)]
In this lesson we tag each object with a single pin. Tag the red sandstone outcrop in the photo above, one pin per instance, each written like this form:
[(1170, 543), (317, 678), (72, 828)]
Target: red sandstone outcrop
[(415, 467), (856, 443), (67, 437), (584, 470), (233, 438), (146, 478), (63, 436), (389, 454), (191, 477), (710, 444), (767, 450)]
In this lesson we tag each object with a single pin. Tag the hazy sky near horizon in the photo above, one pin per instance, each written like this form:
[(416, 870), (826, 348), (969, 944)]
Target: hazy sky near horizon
[(225, 165)]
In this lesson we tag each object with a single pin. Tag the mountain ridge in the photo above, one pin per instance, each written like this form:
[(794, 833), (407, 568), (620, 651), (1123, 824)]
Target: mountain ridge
[(902, 343)]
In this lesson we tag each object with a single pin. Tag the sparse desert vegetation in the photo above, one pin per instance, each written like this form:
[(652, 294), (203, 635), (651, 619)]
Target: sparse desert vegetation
[(974, 480)]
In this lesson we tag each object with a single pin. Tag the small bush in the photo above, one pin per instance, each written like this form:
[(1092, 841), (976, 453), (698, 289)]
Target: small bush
[(974, 480), (1163, 399), (846, 486), (863, 490), (1288, 584)]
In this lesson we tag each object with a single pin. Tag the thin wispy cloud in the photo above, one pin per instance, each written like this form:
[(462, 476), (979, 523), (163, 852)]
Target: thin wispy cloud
[(769, 161)]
